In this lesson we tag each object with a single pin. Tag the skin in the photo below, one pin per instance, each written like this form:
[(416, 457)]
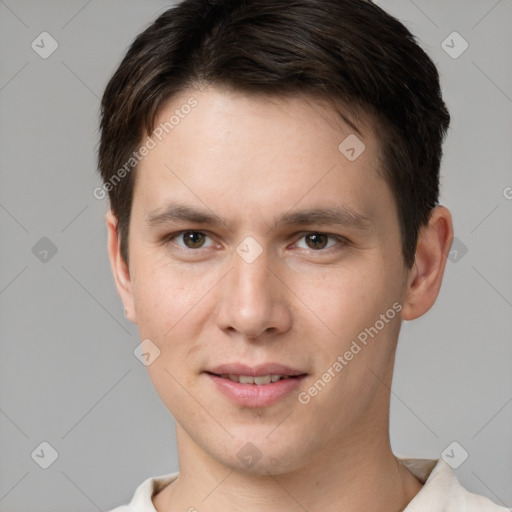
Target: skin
[(251, 159)]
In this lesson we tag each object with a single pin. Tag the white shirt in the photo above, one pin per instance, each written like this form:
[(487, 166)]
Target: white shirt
[(441, 491)]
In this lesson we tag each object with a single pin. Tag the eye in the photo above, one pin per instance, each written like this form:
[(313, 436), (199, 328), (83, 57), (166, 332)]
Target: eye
[(190, 239), (318, 241)]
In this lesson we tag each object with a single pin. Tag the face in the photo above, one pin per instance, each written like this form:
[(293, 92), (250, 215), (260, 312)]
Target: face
[(258, 247)]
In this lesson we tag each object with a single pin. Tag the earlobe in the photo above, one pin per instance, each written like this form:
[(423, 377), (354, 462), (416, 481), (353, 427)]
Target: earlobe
[(120, 268), (426, 275)]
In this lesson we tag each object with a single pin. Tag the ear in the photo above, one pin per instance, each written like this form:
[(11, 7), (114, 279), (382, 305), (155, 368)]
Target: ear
[(424, 281), (120, 268)]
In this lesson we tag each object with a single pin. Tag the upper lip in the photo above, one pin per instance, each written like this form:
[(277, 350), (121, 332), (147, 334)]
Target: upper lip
[(254, 371)]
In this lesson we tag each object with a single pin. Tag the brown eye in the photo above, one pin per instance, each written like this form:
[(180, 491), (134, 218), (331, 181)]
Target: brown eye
[(193, 239), (316, 240)]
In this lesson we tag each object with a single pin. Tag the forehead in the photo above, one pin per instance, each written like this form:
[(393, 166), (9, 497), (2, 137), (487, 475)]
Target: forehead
[(260, 153), (223, 105)]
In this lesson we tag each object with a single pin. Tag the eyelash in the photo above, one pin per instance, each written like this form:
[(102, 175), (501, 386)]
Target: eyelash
[(342, 241)]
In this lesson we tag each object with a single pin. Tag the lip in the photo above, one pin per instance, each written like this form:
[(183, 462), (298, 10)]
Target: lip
[(255, 371), (253, 395)]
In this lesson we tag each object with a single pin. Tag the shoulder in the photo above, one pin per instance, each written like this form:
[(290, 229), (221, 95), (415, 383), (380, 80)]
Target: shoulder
[(442, 491), (142, 498), (460, 499)]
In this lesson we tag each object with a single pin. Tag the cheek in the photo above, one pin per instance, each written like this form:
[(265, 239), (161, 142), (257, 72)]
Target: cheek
[(171, 300), (347, 322), (167, 309), (344, 301)]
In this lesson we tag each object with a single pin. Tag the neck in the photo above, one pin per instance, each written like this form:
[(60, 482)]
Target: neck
[(351, 477)]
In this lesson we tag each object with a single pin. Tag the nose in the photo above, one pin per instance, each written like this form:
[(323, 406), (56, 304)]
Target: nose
[(253, 302)]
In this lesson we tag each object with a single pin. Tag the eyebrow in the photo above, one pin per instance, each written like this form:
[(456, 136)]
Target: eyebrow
[(176, 212), (339, 215)]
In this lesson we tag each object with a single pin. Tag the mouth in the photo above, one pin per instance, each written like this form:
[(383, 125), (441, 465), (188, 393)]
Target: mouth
[(258, 381), (259, 386)]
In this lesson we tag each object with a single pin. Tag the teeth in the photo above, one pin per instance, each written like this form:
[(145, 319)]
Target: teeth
[(266, 379), (259, 381)]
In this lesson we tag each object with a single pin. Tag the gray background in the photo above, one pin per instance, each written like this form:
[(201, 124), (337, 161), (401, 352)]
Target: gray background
[(68, 375)]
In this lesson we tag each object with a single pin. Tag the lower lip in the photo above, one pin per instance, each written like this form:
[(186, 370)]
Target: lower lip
[(253, 395)]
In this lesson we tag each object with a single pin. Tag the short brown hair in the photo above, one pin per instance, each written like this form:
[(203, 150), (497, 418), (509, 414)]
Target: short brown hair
[(346, 50)]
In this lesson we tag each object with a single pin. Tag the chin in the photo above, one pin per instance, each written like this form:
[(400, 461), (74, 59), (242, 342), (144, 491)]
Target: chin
[(263, 457), (264, 467)]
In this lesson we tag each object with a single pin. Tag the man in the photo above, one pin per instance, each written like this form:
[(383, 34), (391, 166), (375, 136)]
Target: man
[(273, 175)]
